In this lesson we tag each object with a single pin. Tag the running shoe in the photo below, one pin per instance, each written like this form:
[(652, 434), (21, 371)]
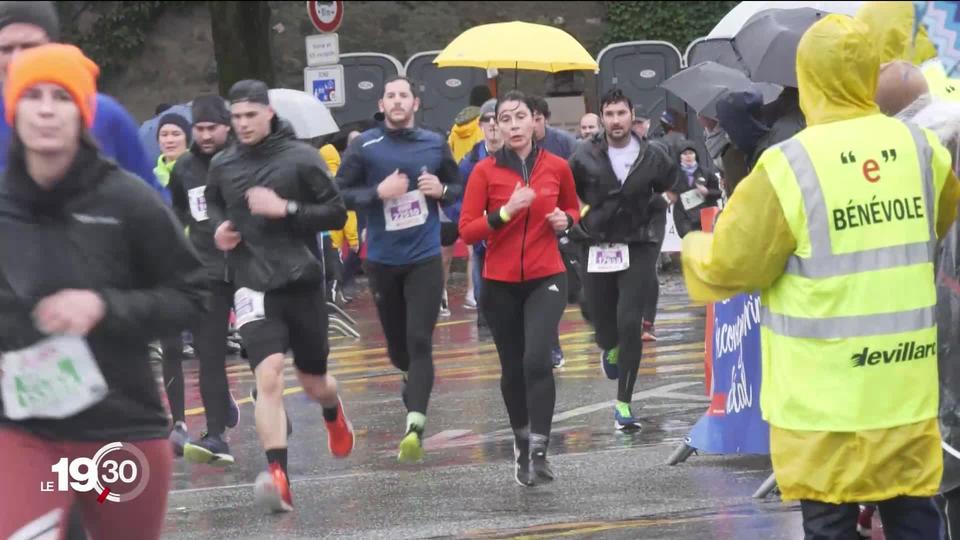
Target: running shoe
[(624, 419), (608, 363), (521, 453), (272, 490), (411, 447), (648, 332), (470, 302), (558, 359), (233, 412), (253, 397), (340, 437), (179, 437), (444, 305), (233, 345), (542, 470), (156, 352), (209, 450)]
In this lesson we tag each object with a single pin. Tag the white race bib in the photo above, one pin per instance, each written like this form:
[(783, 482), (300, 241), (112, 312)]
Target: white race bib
[(408, 210), (608, 258), (198, 203), (55, 378), (691, 199), (248, 306)]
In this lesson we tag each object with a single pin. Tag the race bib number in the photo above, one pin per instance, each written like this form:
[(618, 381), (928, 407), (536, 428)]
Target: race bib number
[(608, 258), (248, 306), (691, 199), (55, 378), (198, 203), (408, 210)]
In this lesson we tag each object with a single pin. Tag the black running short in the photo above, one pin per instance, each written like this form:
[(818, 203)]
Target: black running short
[(448, 234), (295, 319)]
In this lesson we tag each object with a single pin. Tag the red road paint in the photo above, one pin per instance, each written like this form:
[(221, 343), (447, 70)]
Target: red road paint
[(103, 496)]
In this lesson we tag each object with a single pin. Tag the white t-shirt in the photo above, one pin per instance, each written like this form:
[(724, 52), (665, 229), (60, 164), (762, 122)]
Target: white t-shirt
[(621, 159)]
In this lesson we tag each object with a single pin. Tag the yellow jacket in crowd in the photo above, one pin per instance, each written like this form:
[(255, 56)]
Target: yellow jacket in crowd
[(332, 158), (466, 133), (748, 251)]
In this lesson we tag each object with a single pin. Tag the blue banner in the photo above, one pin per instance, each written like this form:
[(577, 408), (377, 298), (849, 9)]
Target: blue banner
[(733, 424)]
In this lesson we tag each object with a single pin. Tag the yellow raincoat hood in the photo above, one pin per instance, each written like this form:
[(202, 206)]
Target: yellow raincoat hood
[(837, 68), (890, 27)]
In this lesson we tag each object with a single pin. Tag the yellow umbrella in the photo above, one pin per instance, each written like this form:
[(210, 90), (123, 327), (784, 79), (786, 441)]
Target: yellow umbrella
[(516, 45)]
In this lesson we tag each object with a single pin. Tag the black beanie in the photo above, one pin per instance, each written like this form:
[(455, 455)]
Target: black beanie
[(42, 14), (177, 120), (210, 109), (250, 90)]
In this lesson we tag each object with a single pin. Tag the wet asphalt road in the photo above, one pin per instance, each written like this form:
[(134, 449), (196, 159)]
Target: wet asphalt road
[(609, 485)]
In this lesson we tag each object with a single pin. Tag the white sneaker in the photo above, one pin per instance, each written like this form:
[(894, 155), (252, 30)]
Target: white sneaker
[(470, 302), (444, 305)]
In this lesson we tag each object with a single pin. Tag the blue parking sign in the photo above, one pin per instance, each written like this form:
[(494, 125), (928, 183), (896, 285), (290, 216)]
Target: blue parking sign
[(325, 90), (326, 84)]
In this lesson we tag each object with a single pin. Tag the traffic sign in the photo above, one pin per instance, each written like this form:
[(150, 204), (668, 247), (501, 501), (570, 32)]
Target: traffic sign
[(326, 84), (323, 49), (326, 16)]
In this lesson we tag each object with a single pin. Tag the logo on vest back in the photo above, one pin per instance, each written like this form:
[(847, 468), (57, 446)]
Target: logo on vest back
[(904, 352), (874, 212)]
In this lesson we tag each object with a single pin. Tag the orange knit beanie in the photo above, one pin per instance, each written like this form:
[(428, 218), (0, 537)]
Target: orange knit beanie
[(55, 63)]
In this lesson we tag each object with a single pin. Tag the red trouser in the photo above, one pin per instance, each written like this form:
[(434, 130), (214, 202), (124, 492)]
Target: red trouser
[(27, 512)]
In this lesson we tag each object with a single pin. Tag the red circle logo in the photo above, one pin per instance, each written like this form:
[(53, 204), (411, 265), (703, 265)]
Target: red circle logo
[(326, 16)]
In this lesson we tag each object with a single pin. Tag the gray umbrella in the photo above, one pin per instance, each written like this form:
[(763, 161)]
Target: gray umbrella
[(768, 43), (702, 85)]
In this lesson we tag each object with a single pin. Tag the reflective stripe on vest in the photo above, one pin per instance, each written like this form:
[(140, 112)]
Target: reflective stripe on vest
[(848, 327), (823, 263)]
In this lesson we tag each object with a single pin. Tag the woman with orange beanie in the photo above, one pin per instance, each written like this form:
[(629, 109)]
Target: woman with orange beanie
[(93, 267)]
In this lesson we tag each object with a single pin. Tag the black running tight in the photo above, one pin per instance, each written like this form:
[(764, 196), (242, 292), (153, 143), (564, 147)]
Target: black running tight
[(408, 302), (523, 319)]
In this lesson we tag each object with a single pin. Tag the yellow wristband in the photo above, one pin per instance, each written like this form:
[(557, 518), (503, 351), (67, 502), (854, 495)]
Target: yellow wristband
[(504, 216)]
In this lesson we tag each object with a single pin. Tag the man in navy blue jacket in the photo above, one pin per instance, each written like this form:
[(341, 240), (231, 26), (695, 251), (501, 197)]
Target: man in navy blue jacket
[(398, 174), (28, 24)]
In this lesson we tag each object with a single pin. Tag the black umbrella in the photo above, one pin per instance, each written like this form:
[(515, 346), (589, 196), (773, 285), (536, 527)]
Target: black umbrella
[(719, 50), (702, 85), (768, 43)]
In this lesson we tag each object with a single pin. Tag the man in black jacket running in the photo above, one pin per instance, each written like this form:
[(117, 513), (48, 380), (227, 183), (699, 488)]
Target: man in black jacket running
[(269, 196), (621, 179), (188, 182)]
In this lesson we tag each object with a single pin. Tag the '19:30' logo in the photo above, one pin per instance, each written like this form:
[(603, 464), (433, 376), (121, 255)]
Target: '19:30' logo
[(121, 478)]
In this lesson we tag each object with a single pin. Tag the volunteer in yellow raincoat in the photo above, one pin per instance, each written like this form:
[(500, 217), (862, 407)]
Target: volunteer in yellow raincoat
[(891, 26), (841, 432)]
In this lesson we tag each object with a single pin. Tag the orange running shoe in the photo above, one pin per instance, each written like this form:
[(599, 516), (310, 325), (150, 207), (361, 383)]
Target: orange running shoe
[(272, 490), (340, 437)]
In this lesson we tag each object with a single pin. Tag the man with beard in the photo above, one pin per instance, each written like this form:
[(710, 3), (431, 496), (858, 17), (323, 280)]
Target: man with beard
[(621, 178), (267, 197), (398, 174), (188, 181)]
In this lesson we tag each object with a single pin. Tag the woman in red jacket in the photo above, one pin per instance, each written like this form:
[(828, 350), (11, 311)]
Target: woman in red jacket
[(517, 200)]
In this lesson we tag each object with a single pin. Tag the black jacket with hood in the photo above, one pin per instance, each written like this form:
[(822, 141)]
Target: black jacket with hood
[(632, 213), (190, 172), (99, 229), (274, 253)]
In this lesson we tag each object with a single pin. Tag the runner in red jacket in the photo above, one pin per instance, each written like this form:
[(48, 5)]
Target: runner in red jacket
[(517, 200)]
